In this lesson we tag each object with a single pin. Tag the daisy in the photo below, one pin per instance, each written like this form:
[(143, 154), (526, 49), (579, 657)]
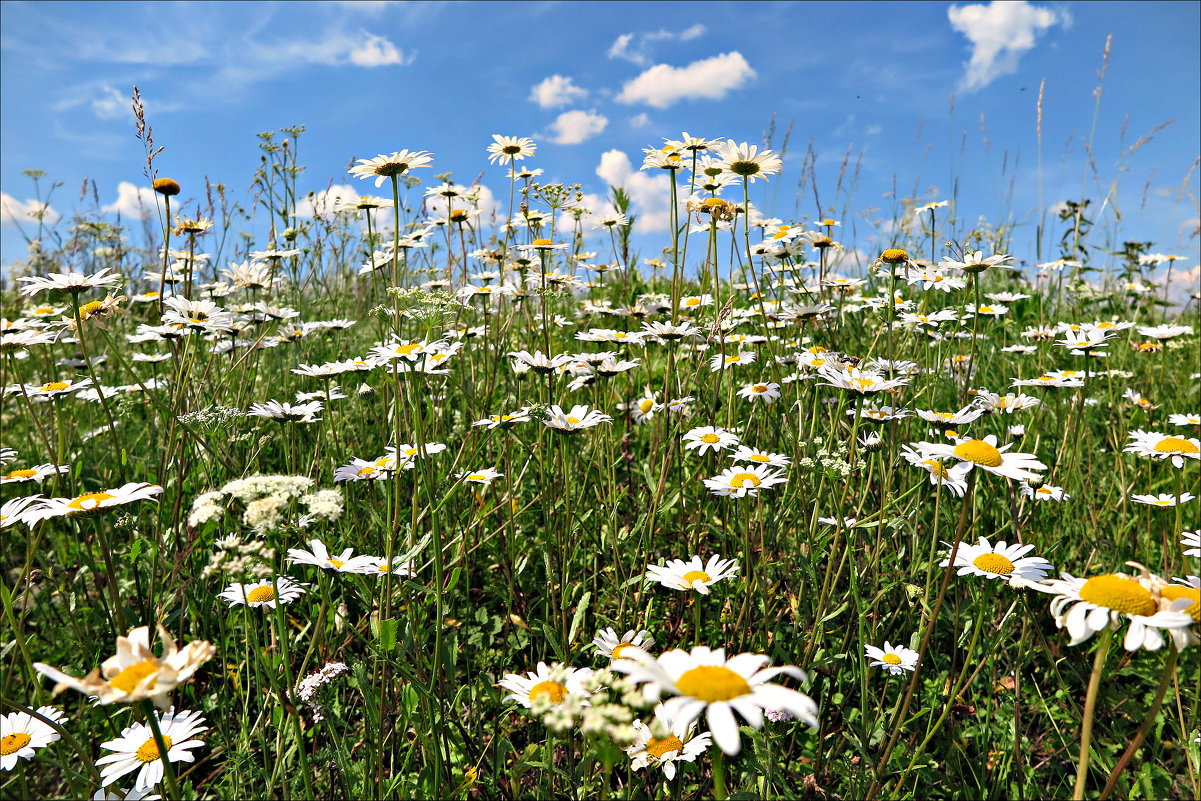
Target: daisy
[(37, 474), (669, 331), (94, 501), (287, 412), (693, 574), (522, 415), (136, 748), (768, 393), (743, 480), (1044, 493), (551, 684), (746, 162), (71, 282), (55, 389), (134, 672), (382, 167), (859, 382), (577, 419), (976, 262), (1191, 540), (984, 454), (198, 314), (397, 567), (485, 476), (704, 680), (642, 410), (539, 362), (719, 362), (1162, 499), (678, 743), (342, 563), (1185, 419), (745, 453), (895, 659), (607, 643), (1087, 606), (21, 734), (953, 478), (1162, 446), (879, 414), (1002, 561), (16, 510), (1008, 404), (705, 438), (263, 593)]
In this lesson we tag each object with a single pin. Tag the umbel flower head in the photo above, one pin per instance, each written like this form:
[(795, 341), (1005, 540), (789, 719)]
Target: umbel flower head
[(135, 672)]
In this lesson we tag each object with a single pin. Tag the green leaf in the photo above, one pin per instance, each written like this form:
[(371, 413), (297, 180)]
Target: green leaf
[(580, 609), (387, 634)]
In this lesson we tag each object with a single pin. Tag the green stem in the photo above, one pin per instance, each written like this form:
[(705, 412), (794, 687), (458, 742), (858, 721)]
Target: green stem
[(1090, 706)]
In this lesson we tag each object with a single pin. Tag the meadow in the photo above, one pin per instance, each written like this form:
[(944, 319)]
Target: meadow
[(413, 500)]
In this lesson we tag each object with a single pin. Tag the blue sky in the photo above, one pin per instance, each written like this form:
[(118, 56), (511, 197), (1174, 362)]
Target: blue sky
[(593, 83)]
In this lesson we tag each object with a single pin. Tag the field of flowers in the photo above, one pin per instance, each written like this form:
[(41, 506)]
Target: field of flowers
[(411, 501)]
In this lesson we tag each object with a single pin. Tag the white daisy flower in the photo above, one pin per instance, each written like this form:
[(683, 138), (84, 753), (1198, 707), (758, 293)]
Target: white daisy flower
[(1087, 606), (742, 480), (984, 454), (93, 501), (1044, 493), (1163, 446), (679, 743), (705, 438), (1191, 540), (1163, 499), (21, 734), (893, 658), (37, 474), (704, 680), (1185, 419), (693, 574), (136, 749), (263, 593), (383, 167), (768, 393), (72, 282), (485, 476), (553, 684), (1002, 561), (745, 453), (344, 562), (953, 477), (607, 643), (579, 418), (718, 362)]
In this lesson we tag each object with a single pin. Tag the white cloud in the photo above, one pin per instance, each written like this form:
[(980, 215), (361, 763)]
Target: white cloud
[(573, 127), (1000, 33), (649, 192), (137, 202), (710, 78), (596, 207), (111, 104), (872, 130), (377, 51), (556, 91), (634, 47), (15, 212), (640, 120)]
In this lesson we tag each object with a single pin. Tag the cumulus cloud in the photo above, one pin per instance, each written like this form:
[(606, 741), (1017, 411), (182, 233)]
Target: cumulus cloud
[(710, 79), (16, 212), (573, 127), (635, 47), (110, 104), (649, 192), (377, 51), (639, 120), (1000, 33), (556, 91), (137, 202)]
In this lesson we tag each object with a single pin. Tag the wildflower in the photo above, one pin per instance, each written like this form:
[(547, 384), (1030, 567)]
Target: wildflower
[(953, 478), (134, 672), (743, 480), (705, 438), (485, 476), (1008, 404), (678, 742), (1162, 499), (1191, 540), (607, 643), (895, 659), (1087, 606), (1002, 561), (16, 510), (704, 680), (70, 282), (1162, 446), (37, 474), (693, 574), (136, 748), (263, 593), (539, 362), (1185, 419), (577, 419), (287, 412), (858, 382), (976, 262), (768, 393), (345, 562), (21, 734), (984, 454), (94, 501), (397, 164), (746, 162), (719, 362), (522, 415), (307, 688), (1045, 492), (549, 684), (745, 453)]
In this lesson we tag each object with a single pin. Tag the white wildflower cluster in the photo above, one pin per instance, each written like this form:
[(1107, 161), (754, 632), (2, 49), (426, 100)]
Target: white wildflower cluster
[(325, 504), (212, 418), (207, 506), (306, 690), (609, 712), (831, 460), (267, 500), (233, 557)]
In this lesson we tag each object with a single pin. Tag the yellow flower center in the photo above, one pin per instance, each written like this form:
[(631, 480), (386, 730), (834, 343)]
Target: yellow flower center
[(129, 678), (541, 243), (1174, 592), (88, 309), (696, 575), (865, 384), (13, 743), (55, 386), (645, 405), (148, 751), (337, 563), (1175, 445), (894, 256), (575, 421), (712, 683), (1119, 593), (657, 748), (692, 302), (617, 649), (405, 350), (891, 659), (551, 690), (260, 595), (43, 310), (89, 501), (979, 452), (993, 563), (710, 438), (742, 479), (759, 388), (937, 469), (366, 471), (22, 474), (477, 477), (758, 457), (987, 309)]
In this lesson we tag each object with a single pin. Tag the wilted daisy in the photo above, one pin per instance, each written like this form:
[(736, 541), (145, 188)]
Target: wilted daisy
[(1002, 561), (136, 749), (21, 734), (705, 438), (1087, 606), (607, 643), (263, 593), (319, 556), (744, 480), (135, 672), (693, 574), (768, 393), (984, 454), (895, 659), (1163, 446), (703, 680), (1163, 499), (552, 684), (678, 742)]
